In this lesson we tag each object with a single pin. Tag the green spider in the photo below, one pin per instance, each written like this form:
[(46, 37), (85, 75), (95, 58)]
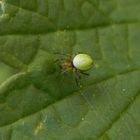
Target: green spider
[(79, 64)]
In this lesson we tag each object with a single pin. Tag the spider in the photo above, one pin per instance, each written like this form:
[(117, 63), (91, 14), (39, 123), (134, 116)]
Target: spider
[(78, 64)]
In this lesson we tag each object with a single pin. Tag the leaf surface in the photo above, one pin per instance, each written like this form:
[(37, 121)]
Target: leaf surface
[(37, 102)]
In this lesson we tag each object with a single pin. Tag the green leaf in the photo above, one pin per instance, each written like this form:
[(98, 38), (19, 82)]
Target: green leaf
[(37, 102)]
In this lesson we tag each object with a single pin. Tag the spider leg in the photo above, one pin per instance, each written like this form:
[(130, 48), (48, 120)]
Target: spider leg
[(77, 77), (78, 74), (84, 73), (79, 52), (77, 82), (57, 61), (62, 54), (59, 53), (65, 71)]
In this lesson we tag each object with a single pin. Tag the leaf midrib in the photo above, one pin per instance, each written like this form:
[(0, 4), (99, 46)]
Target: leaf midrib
[(132, 22), (76, 92)]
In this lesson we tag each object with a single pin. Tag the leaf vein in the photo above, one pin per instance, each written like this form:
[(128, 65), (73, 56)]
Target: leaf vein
[(81, 28), (118, 116)]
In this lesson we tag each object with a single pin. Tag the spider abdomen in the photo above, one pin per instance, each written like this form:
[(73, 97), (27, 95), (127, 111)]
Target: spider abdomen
[(82, 62)]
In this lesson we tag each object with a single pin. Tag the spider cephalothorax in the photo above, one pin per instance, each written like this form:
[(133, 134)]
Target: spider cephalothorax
[(67, 64)]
